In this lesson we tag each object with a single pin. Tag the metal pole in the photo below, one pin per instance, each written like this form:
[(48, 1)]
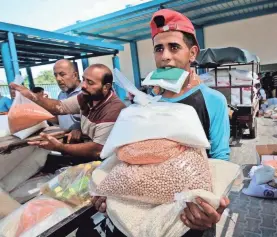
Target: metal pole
[(85, 62), (13, 53), (119, 91), (30, 77), (135, 63), (7, 61)]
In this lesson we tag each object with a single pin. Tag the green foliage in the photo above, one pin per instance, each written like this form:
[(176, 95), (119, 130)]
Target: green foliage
[(45, 77)]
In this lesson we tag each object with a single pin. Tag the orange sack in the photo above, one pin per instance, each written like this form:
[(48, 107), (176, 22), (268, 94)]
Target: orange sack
[(37, 211), (22, 116), (149, 152)]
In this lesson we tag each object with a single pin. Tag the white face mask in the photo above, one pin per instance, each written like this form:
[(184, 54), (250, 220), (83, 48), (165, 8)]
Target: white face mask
[(171, 79)]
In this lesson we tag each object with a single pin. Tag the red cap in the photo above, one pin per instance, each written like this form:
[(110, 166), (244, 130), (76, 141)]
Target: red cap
[(169, 20)]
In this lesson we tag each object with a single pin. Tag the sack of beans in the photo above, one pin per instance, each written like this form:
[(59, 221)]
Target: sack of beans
[(140, 219), (158, 183), (25, 114), (34, 217)]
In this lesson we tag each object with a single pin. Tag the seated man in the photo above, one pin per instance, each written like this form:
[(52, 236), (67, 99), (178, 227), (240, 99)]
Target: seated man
[(99, 108)]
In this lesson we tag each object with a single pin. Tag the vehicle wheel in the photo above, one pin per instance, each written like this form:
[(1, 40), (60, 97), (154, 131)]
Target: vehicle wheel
[(254, 129)]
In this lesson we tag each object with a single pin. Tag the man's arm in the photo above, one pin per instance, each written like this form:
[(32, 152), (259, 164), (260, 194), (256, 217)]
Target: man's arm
[(90, 149), (55, 107)]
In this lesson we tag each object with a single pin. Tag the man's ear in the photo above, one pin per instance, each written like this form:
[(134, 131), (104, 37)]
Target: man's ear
[(108, 86), (76, 75), (193, 53)]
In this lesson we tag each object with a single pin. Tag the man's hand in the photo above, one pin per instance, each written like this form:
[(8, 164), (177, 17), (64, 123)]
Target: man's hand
[(74, 136), (194, 218), (24, 91), (49, 143), (99, 203)]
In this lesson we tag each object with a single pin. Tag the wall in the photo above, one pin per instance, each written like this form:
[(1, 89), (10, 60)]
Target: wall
[(257, 35), (146, 57), (125, 61)]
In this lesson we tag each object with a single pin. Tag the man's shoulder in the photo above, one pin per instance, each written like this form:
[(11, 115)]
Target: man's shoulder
[(115, 101), (213, 95)]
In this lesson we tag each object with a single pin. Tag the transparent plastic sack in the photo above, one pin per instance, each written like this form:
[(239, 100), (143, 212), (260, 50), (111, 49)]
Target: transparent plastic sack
[(156, 183), (138, 219), (72, 185), (171, 85), (34, 217), (24, 113)]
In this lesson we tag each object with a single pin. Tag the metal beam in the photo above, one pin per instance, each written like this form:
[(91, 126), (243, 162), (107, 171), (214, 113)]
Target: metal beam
[(43, 45), (26, 54), (119, 16), (102, 36), (13, 53), (7, 62), (143, 37), (233, 9), (130, 24), (85, 62), (135, 64), (120, 91), (200, 37), (241, 16), (56, 36), (30, 78)]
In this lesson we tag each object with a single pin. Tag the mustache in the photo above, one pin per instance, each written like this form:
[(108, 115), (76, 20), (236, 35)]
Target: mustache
[(84, 90)]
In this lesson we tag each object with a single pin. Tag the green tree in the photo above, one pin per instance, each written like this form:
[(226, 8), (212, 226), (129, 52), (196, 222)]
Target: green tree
[(45, 77)]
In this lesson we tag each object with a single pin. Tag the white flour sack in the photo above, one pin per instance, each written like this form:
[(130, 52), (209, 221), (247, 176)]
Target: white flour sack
[(141, 219)]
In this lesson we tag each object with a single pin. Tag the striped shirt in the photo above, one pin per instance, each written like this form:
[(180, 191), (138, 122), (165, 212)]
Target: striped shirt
[(96, 121)]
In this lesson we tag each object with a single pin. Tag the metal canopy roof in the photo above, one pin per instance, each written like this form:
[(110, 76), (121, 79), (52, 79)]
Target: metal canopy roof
[(132, 23), (38, 47)]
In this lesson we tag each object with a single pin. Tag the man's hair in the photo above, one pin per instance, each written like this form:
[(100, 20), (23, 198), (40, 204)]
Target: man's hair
[(189, 40), (108, 76), (37, 89)]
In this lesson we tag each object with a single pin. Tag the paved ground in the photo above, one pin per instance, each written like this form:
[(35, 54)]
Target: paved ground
[(251, 217)]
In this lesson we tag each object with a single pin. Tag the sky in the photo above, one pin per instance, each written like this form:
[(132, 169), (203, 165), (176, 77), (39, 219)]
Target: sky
[(55, 14)]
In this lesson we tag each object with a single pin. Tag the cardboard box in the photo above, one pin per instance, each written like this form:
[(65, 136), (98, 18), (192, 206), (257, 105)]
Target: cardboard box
[(266, 152)]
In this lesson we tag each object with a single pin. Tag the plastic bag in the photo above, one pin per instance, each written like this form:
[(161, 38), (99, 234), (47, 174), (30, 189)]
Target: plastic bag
[(139, 97), (139, 219), (264, 174), (34, 217), (72, 185), (171, 85), (157, 183), (267, 190), (24, 113), (149, 152)]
